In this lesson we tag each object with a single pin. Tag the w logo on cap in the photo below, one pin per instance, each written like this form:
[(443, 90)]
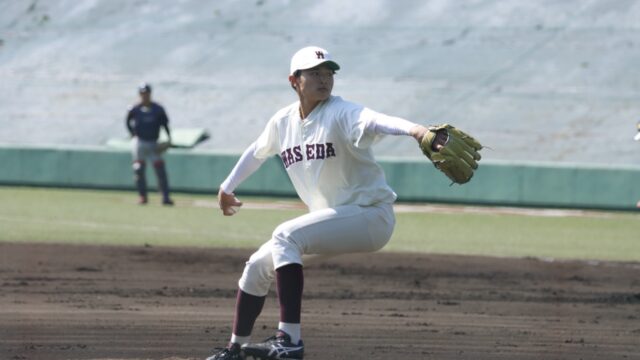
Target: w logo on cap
[(320, 54)]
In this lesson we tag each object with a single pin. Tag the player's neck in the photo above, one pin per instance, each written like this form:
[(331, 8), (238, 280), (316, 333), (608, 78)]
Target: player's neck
[(306, 107)]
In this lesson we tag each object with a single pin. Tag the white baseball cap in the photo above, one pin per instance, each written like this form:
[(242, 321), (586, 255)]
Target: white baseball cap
[(637, 138), (310, 57)]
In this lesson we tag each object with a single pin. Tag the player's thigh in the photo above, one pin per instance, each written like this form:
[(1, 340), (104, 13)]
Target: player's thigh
[(136, 150), (148, 150), (343, 229)]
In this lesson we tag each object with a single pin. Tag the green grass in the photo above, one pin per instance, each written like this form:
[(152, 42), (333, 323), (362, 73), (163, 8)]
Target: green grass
[(111, 217), (614, 237)]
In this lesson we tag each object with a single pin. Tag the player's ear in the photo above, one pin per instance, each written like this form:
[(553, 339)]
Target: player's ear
[(293, 80)]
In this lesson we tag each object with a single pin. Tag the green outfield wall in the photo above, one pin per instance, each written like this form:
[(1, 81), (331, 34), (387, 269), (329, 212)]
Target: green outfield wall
[(495, 183)]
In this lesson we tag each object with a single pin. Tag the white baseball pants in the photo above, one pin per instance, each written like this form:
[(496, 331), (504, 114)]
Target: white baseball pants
[(333, 231)]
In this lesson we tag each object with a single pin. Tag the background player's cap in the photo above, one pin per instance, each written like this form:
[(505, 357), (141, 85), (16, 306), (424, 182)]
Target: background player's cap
[(144, 88), (309, 57)]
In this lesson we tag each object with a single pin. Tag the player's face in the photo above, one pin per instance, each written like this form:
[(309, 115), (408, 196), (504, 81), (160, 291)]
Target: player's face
[(145, 97), (316, 84)]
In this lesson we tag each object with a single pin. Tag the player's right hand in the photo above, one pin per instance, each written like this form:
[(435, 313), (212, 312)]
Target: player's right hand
[(228, 203)]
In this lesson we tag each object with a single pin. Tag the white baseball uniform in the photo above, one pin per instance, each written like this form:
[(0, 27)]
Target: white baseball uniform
[(330, 163)]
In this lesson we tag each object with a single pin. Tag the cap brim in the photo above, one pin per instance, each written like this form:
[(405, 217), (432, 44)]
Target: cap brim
[(637, 137), (330, 63)]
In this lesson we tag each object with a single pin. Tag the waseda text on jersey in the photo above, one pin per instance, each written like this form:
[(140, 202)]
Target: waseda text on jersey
[(297, 153)]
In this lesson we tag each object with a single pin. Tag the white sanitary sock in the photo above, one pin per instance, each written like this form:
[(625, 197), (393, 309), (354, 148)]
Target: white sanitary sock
[(235, 339), (292, 329)]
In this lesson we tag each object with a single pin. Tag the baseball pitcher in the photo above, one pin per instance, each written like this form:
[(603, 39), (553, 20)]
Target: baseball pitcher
[(325, 144)]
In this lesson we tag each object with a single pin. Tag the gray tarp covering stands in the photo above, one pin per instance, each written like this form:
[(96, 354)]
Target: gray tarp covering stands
[(539, 80)]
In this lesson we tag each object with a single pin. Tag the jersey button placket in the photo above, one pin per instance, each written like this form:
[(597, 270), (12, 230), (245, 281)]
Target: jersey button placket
[(305, 129)]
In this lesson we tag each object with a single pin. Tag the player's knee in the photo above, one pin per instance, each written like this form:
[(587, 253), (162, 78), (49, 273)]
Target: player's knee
[(257, 276), (287, 231), (138, 170), (287, 247), (138, 166), (282, 237)]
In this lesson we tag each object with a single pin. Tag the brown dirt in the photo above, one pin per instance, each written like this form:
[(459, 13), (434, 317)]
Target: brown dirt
[(94, 302)]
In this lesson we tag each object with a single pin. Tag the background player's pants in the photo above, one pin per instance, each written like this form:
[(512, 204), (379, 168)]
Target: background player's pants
[(147, 151), (163, 181), (340, 230), (140, 178)]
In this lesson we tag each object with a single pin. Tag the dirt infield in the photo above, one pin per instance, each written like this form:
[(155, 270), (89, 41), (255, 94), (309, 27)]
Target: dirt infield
[(93, 302)]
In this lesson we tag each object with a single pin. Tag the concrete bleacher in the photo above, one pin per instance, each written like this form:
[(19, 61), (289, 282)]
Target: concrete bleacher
[(536, 81)]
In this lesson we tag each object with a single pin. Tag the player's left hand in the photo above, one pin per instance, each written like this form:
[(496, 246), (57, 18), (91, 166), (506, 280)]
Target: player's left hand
[(452, 151), (228, 203), (162, 147), (419, 132)]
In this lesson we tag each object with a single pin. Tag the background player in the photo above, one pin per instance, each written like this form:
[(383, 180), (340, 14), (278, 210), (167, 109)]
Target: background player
[(144, 121), (324, 142)]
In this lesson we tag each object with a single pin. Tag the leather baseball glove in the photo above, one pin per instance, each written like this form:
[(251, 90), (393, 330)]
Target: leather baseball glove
[(163, 147), (456, 156)]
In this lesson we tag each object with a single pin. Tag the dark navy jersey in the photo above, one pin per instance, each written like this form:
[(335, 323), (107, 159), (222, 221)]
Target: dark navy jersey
[(145, 121)]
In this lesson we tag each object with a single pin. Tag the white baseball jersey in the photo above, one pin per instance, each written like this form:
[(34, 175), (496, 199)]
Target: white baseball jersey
[(327, 155)]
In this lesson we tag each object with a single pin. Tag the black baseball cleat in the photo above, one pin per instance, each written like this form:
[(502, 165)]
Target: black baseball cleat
[(167, 202), (232, 352), (278, 347)]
